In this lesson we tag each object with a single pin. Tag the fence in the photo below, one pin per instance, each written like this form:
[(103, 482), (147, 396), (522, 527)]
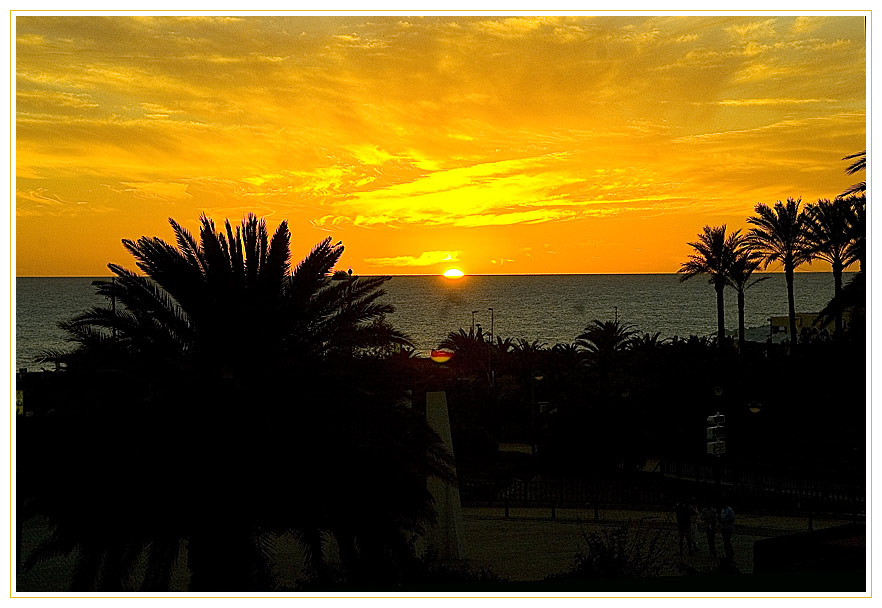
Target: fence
[(660, 491), (777, 492)]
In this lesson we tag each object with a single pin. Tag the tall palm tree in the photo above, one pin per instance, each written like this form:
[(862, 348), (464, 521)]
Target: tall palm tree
[(743, 266), (856, 227), (778, 235), (859, 164), (714, 253), (238, 400), (827, 238)]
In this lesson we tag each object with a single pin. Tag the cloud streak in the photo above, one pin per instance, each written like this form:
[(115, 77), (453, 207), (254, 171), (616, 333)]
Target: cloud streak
[(426, 258)]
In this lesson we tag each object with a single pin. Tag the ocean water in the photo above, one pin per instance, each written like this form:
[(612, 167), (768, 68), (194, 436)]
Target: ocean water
[(547, 308)]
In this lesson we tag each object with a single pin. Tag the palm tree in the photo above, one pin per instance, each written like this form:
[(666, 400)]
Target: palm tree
[(778, 235), (239, 400), (603, 341), (859, 164), (743, 265), (471, 348), (714, 253), (827, 238), (856, 227)]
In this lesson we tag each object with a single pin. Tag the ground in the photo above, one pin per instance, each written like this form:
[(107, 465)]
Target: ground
[(529, 545)]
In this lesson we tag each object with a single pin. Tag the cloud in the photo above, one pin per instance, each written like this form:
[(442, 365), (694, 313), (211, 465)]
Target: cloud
[(478, 194), (770, 102), (169, 191), (43, 99), (426, 258), (754, 30)]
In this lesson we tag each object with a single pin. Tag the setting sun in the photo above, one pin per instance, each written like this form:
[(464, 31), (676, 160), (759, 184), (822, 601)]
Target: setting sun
[(454, 273)]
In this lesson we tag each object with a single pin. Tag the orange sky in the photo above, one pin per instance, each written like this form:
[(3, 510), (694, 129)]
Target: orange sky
[(492, 144)]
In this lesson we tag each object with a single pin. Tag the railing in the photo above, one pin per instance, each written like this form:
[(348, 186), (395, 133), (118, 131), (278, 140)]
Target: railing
[(654, 491), (777, 491), (565, 494)]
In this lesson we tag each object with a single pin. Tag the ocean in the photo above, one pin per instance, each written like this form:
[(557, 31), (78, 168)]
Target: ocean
[(547, 308)]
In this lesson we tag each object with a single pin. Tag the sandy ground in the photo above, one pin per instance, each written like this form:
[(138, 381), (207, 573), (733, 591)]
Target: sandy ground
[(530, 545), (526, 546)]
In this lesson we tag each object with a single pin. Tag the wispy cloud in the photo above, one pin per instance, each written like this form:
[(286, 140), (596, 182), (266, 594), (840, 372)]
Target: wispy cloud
[(426, 258)]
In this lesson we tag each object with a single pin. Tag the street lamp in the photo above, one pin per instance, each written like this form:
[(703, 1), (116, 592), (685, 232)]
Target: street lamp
[(474, 312)]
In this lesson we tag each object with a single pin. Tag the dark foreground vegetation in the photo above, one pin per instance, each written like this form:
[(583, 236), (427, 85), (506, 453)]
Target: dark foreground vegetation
[(222, 399)]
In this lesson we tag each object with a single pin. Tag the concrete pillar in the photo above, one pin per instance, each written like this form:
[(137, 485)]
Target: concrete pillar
[(446, 536)]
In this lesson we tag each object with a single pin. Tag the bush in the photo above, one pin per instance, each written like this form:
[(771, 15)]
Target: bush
[(622, 552)]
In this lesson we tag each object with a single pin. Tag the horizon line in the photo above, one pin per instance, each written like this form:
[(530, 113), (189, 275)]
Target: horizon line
[(439, 275)]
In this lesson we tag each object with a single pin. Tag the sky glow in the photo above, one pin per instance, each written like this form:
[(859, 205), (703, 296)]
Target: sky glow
[(500, 144)]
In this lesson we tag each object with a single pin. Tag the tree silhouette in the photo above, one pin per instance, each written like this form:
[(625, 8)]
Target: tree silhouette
[(743, 265), (714, 253), (472, 349), (602, 341), (856, 227), (827, 238), (778, 235), (859, 164), (238, 401)]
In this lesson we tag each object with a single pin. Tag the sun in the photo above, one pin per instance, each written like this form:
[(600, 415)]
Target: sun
[(454, 273)]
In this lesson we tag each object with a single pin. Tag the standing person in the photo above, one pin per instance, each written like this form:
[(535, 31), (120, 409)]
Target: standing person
[(684, 512), (709, 525), (727, 526)]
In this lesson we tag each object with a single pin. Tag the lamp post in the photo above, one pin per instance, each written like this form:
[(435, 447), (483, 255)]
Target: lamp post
[(474, 312)]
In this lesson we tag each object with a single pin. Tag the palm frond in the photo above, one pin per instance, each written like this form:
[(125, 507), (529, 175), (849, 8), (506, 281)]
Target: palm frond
[(860, 164), (162, 555)]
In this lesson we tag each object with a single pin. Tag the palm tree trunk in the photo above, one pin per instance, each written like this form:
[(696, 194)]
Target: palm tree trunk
[(837, 291), (721, 321), (741, 320), (791, 306)]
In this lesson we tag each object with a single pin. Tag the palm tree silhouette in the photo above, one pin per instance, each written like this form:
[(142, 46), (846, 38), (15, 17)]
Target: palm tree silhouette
[(471, 348), (827, 238), (240, 400), (602, 341), (714, 253), (779, 235), (856, 227), (859, 164), (743, 265)]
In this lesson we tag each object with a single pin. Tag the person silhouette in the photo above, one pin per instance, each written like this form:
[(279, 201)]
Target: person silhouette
[(727, 527), (684, 513), (709, 525)]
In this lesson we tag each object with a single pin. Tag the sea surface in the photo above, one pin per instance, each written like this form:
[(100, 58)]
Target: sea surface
[(547, 308)]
